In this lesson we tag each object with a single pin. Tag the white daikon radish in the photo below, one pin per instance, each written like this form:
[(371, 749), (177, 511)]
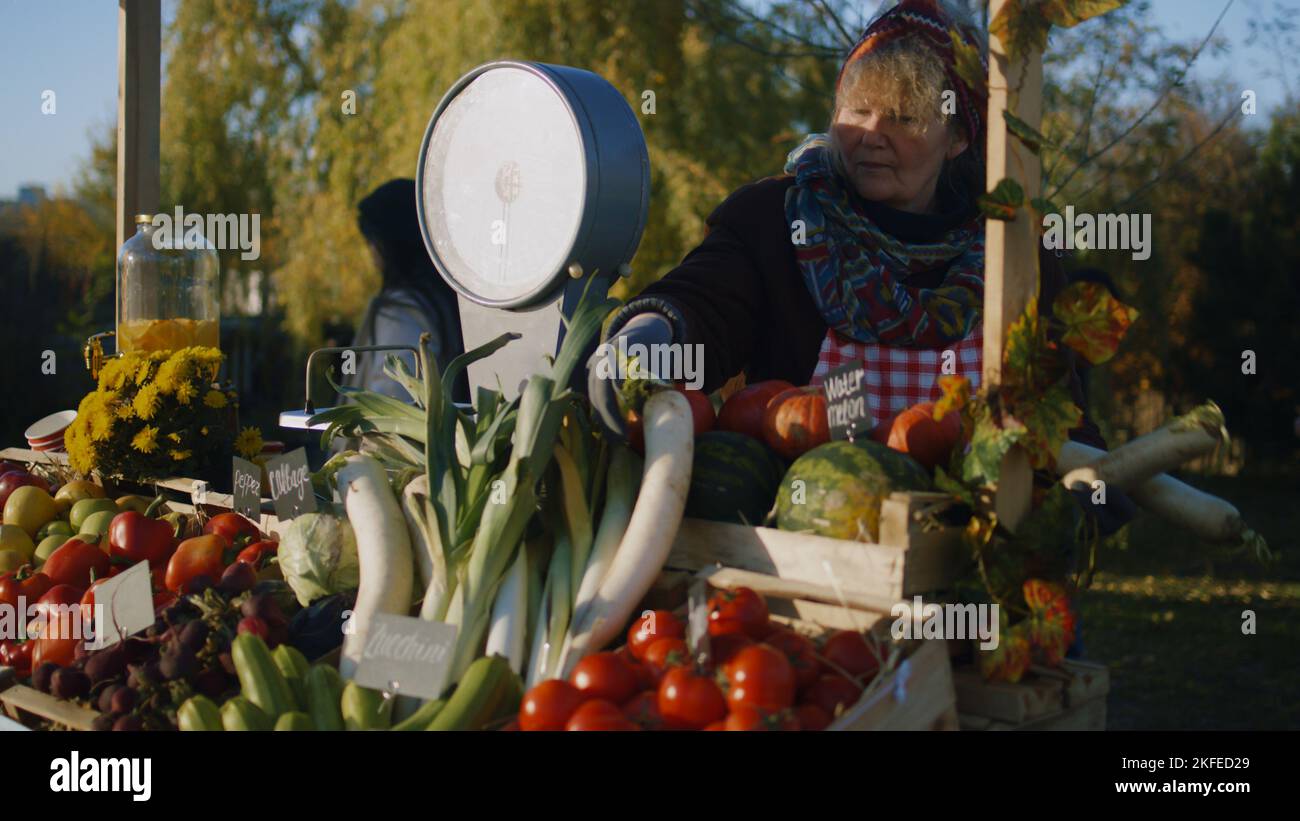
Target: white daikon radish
[(1189, 436), (383, 548), (669, 448)]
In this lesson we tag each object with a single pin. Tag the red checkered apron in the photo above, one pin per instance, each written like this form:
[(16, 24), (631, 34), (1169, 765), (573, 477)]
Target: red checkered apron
[(898, 378)]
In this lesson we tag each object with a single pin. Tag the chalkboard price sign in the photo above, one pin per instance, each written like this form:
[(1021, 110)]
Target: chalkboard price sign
[(847, 413), (291, 484)]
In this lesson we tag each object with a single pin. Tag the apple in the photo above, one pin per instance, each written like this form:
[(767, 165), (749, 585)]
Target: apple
[(15, 479)]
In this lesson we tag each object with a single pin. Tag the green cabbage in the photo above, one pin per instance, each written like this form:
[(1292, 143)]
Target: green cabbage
[(318, 556)]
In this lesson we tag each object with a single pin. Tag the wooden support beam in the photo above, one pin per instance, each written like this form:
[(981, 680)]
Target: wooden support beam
[(139, 96), (1011, 248)]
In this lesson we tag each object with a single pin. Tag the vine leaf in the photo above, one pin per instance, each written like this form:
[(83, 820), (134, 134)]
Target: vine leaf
[(1030, 363), (1095, 322), (956, 394), (1021, 27), (988, 444), (1044, 206), (1070, 13), (1050, 622), (1026, 133), (1010, 659), (1001, 203), (1047, 418), (968, 65)]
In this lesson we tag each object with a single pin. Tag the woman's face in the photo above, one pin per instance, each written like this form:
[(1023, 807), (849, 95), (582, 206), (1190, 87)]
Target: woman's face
[(888, 161)]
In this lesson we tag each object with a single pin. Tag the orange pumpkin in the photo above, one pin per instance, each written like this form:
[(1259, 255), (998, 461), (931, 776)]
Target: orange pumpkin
[(915, 433), (743, 412), (795, 422)]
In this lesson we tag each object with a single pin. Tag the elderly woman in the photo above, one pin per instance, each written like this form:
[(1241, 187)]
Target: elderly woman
[(869, 248)]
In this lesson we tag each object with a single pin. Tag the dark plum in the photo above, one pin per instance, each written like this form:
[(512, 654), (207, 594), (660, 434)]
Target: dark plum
[(69, 683), (105, 702), (138, 651), (237, 578), (41, 676), (103, 722), (194, 634), (128, 724), (196, 585), (123, 700), (106, 664), (177, 664)]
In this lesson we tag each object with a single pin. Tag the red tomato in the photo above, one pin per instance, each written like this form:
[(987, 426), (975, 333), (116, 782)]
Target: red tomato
[(61, 651), (743, 411), (832, 693), (666, 654), (760, 676), (59, 599), (137, 538), (812, 717), (200, 556), (643, 710), (75, 562), (702, 414), (232, 527), (88, 601), (851, 652), (58, 626), (800, 652), (24, 582), (653, 624), (646, 679), (738, 611), (724, 648), (598, 715), (604, 676), (18, 655), (258, 553), (549, 705), (746, 718), (689, 701), (716, 726)]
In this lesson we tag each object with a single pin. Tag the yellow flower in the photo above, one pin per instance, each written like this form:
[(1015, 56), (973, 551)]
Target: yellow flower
[(185, 392), (175, 437), (214, 399), (146, 441), (143, 372), (179, 455), (167, 378), (113, 373), (81, 453), (249, 442), (123, 411), (100, 418), (146, 402), (204, 430)]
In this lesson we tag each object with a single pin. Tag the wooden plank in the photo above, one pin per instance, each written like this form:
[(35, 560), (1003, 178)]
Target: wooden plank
[(1088, 681), (1011, 248), (1090, 716), (139, 98), (1013, 703), (927, 696), (729, 578), (884, 572), (21, 699)]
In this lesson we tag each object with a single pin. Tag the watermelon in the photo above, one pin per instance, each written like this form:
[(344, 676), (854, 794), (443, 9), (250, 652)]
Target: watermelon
[(842, 486), (733, 478)]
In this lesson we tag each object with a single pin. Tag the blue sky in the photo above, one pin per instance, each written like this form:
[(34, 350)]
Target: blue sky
[(70, 47)]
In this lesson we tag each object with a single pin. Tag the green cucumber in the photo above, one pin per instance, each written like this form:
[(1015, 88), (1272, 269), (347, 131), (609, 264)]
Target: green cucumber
[(484, 687), (198, 713), (260, 680), (421, 718), (240, 714), (324, 691), (294, 722), (293, 666), (365, 709)]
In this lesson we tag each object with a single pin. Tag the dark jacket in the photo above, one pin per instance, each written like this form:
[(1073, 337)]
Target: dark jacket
[(740, 293)]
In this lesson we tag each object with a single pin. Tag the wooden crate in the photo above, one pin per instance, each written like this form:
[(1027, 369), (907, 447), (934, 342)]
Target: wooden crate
[(214, 502), (1071, 698), (29, 706), (917, 694), (909, 560)]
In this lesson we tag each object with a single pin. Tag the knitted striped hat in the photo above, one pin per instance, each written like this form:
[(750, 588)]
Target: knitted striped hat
[(932, 25)]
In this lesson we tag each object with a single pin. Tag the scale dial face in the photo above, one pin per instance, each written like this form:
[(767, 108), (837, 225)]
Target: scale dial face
[(504, 186)]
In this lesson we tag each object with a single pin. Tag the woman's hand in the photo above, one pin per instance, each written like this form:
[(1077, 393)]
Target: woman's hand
[(606, 369)]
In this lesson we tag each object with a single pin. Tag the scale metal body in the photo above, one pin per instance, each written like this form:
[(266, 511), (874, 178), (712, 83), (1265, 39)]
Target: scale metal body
[(526, 172)]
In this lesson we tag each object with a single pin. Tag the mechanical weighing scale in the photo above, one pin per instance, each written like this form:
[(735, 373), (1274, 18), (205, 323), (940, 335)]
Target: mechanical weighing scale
[(527, 172)]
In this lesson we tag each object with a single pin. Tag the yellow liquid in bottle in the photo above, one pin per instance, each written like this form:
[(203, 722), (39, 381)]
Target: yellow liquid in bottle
[(167, 334)]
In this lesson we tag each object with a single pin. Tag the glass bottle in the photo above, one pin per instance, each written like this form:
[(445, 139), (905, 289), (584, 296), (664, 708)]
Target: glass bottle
[(168, 294)]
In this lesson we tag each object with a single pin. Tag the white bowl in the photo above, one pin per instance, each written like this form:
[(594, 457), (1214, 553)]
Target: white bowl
[(50, 428)]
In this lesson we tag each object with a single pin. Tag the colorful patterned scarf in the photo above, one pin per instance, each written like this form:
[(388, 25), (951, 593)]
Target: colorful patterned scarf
[(857, 273)]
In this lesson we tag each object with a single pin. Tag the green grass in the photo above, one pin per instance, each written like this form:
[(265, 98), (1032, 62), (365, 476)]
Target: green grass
[(1165, 613)]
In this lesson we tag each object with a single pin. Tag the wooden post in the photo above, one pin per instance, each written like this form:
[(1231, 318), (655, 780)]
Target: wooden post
[(1011, 248), (139, 94)]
